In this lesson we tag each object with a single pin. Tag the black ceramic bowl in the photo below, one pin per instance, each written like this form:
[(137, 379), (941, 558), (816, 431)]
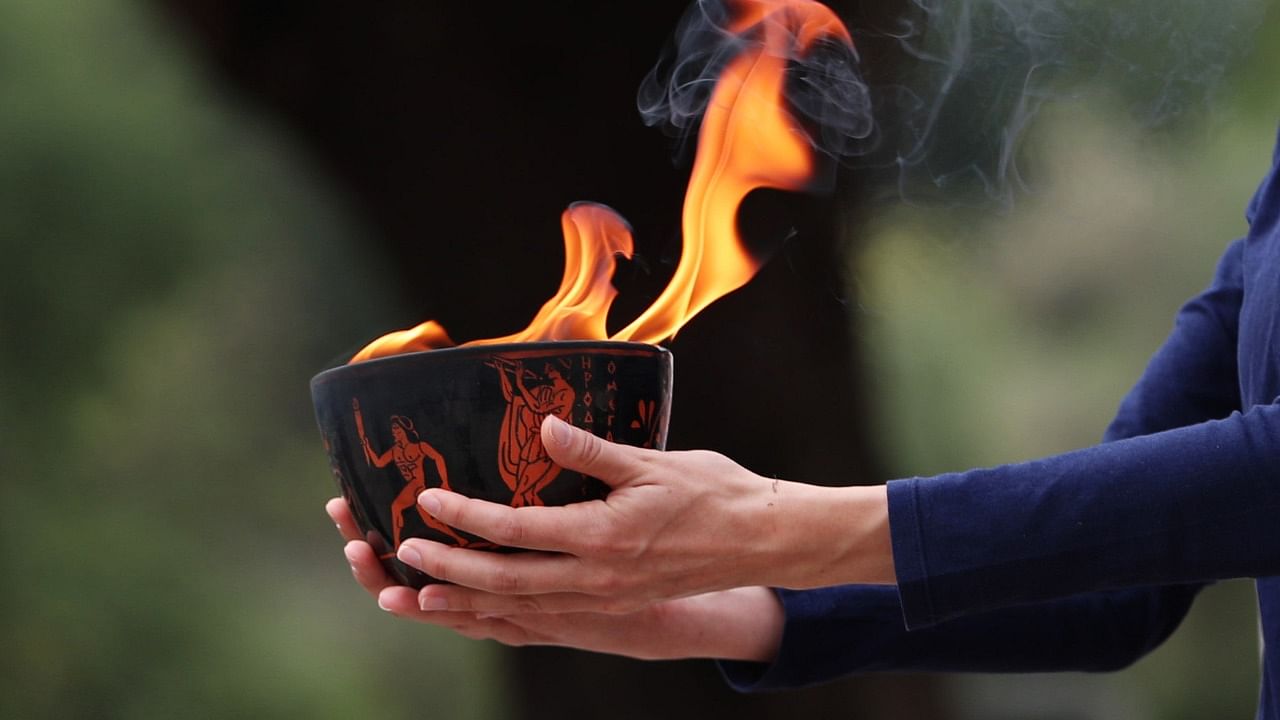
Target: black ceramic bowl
[(468, 419)]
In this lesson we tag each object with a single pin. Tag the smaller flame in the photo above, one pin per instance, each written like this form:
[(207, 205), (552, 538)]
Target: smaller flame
[(430, 335), (594, 235), (748, 140)]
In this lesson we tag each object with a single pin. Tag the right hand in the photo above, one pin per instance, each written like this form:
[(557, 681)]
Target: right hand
[(738, 624), (674, 525)]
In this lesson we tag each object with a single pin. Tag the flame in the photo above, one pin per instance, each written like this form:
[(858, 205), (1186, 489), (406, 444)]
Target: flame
[(594, 235), (748, 140), (430, 335)]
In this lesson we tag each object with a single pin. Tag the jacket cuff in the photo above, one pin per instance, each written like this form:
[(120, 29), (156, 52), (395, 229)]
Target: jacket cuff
[(829, 633), (909, 561)]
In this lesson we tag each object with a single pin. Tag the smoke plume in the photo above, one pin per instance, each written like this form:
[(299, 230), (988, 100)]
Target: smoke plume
[(825, 89), (968, 78)]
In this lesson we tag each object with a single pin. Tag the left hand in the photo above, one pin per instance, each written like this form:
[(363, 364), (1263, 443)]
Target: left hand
[(740, 624), (675, 524)]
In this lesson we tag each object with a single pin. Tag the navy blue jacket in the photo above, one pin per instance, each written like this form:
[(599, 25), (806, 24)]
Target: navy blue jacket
[(1087, 560)]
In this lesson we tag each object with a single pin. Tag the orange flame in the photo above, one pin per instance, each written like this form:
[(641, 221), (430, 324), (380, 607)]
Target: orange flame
[(594, 235), (430, 335), (748, 141)]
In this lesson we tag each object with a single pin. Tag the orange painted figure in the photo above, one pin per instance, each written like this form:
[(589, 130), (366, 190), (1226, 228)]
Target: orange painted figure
[(522, 460), (410, 453)]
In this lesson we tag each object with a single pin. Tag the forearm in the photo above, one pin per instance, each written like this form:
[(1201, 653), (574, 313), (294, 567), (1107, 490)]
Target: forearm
[(740, 624), (1188, 505), (828, 536)]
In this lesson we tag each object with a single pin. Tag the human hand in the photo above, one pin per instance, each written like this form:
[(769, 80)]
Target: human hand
[(740, 624), (676, 524)]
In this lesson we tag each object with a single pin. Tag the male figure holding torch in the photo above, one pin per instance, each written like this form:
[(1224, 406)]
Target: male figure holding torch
[(1081, 561), (410, 453)]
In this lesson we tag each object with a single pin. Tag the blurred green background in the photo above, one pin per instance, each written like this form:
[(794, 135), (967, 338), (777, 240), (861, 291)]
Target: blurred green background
[(175, 269)]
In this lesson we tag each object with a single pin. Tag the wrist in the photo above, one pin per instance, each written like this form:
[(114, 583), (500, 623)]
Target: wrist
[(836, 536), (738, 624)]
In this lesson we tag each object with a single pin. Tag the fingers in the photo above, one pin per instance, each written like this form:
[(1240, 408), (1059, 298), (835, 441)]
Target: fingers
[(340, 513), (577, 449), (528, 573), (558, 529), (403, 602), (365, 567), (399, 600), (455, 598)]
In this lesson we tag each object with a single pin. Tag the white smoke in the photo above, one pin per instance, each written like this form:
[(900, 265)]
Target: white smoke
[(825, 89), (979, 71), (969, 79)]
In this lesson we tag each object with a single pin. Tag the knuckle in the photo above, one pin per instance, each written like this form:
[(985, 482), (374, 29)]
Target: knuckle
[(615, 545), (609, 542), (437, 565), (591, 448), (506, 581), (603, 538), (512, 530), (455, 513), (598, 544), (593, 541)]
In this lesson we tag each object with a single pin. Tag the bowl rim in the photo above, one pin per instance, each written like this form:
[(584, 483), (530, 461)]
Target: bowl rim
[(461, 351)]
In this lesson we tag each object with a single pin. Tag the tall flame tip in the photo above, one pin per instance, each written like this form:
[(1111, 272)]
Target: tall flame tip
[(748, 140)]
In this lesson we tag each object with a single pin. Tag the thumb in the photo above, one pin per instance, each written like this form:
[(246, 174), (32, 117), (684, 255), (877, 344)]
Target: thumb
[(576, 449)]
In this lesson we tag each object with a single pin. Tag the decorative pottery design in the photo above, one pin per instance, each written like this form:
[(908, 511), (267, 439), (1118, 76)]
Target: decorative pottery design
[(469, 419)]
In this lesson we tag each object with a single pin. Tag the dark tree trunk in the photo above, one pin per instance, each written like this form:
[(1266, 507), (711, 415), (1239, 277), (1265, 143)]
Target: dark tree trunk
[(462, 130)]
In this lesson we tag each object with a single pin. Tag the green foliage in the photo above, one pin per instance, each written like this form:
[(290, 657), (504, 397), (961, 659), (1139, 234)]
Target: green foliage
[(180, 275)]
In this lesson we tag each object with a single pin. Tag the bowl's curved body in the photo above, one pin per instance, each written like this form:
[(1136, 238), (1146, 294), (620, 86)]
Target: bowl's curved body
[(468, 419)]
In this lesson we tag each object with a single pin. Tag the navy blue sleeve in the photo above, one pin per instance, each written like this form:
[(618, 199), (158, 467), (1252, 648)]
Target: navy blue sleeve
[(1193, 504), (1190, 504), (833, 632), (1193, 377)]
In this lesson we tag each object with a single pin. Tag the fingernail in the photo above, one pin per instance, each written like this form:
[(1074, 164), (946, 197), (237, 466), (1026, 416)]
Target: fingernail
[(350, 553), (430, 503), (354, 571), (559, 430), (488, 616), (409, 556), (434, 603), (384, 607)]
